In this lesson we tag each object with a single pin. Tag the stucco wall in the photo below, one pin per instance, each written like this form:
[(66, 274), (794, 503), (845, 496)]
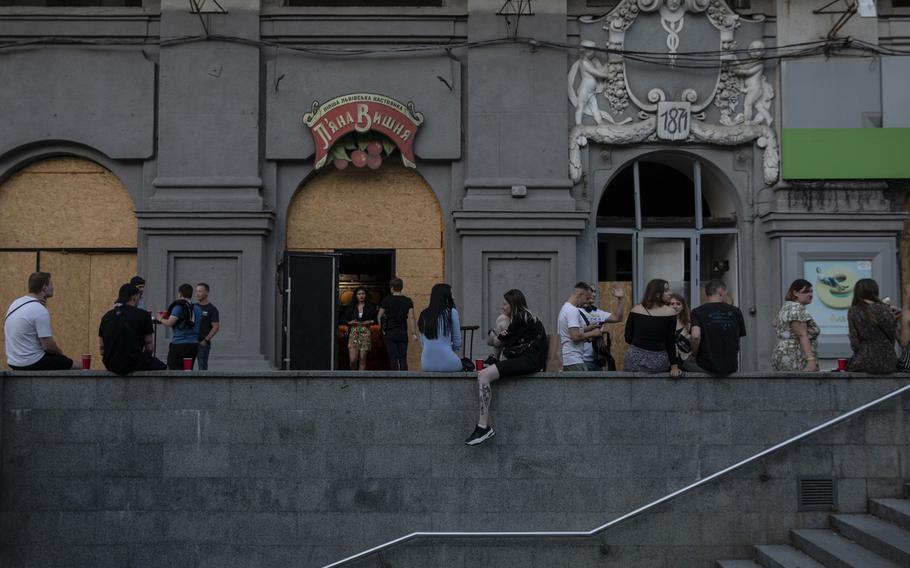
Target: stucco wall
[(301, 469)]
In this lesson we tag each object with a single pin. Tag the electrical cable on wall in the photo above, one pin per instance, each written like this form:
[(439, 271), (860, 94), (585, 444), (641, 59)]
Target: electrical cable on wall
[(689, 60)]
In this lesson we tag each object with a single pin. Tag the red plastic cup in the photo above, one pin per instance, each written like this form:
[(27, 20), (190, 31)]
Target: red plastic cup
[(163, 315), (841, 364), (478, 364), (187, 363), (86, 361)]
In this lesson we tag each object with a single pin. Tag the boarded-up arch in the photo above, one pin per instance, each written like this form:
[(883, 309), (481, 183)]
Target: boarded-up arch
[(389, 208), (75, 219)]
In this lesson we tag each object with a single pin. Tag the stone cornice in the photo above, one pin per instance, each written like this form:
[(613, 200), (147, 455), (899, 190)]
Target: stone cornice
[(528, 223), (778, 224)]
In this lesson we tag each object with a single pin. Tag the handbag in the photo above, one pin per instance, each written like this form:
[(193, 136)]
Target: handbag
[(903, 362), (467, 365)]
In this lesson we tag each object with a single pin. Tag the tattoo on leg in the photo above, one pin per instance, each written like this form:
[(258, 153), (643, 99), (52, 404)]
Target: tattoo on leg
[(486, 394)]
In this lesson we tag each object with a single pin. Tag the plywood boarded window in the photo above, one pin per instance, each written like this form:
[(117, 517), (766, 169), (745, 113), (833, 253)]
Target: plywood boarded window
[(74, 219), (389, 208)]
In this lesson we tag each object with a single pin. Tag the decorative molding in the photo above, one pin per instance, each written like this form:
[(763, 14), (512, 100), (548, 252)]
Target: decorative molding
[(741, 94)]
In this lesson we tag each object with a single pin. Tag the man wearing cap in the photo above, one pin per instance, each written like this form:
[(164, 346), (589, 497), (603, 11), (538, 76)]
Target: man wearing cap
[(126, 336), (139, 282)]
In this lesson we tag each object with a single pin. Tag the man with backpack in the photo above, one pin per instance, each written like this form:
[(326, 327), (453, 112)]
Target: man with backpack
[(183, 318)]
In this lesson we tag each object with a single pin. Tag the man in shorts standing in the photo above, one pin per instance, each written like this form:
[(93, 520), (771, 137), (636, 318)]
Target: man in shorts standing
[(30, 345), (209, 325)]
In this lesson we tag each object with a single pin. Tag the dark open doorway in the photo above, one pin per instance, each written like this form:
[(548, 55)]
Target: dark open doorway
[(371, 269)]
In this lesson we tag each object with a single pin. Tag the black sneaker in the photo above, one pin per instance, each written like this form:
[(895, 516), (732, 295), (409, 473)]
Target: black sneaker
[(480, 435)]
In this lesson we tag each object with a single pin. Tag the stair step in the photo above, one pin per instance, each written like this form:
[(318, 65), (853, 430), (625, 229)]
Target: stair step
[(835, 551), (736, 564), (885, 539), (895, 511), (783, 556)]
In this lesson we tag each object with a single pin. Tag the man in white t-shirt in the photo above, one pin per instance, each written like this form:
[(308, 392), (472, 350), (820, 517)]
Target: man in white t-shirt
[(30, 345), (572, 329)]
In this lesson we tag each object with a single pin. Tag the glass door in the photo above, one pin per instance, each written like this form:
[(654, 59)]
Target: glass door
[(668, 255)]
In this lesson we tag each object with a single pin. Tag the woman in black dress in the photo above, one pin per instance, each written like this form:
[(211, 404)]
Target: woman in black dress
[(524, 344), (873, 331), (651, 333)]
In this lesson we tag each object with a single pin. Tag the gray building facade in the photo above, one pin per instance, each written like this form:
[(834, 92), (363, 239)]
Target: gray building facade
[(198, 112)]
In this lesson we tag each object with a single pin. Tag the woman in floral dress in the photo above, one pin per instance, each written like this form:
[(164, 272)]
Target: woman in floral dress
[(873, 331), (797, 332)]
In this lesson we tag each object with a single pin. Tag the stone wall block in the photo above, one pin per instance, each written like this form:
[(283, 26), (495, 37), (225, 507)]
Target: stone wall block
[(262, 394), (665, 394), (166, 426), (196, 461), (528, 393), (43, 493), (852, 495), (396, 395), (132, 393), (397, 461), (328, 528), (468, 462), (364, 495), (96, 556), (276, 461), (195, 394), (65, 392), (588, 395), (645, 427), (55, 460), (450, 394), (691, 427), (866, 461), (162, 555), (17, 392), (533, 462), (424, 495)]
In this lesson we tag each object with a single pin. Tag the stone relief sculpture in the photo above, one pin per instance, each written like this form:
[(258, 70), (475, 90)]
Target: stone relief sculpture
[(593, 76), (686, 119)]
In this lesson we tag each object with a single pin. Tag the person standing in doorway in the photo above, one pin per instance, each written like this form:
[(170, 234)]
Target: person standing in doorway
[(183, 318), (360, 314), (396, 318), (209, 325), (30, 346)]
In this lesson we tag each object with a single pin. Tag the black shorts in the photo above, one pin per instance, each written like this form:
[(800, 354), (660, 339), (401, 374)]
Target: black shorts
[(48, 363), (529, 362), (177, 351)]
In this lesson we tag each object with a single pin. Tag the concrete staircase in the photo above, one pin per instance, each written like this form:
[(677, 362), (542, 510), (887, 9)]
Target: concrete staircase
[(880, 539)]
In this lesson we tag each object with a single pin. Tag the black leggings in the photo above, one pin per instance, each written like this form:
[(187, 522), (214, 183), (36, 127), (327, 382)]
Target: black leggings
[(398, 353)]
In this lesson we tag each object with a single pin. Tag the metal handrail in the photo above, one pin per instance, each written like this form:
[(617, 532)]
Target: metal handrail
[(631, 514)]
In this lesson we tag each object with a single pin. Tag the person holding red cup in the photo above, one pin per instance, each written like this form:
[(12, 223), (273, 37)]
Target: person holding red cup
[(183, 317)]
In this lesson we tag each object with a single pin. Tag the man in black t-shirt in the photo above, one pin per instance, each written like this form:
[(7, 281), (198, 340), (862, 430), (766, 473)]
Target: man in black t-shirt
[(395, 312), (209, 325), (716, 330), (126, 335)]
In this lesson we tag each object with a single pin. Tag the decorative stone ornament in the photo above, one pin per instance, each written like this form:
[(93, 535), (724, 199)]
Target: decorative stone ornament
[(720, 97)]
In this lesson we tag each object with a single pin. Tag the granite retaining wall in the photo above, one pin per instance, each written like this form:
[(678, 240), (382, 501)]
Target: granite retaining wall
[(302, 469)]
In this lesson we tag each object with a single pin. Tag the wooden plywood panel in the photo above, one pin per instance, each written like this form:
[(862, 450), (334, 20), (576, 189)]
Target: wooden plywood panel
[(107, 272), (392, 207), (66, 203), (69, 308), (15, 268), (607, 302)]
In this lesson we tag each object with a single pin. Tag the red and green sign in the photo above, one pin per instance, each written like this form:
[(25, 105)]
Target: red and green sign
[(329, 122)]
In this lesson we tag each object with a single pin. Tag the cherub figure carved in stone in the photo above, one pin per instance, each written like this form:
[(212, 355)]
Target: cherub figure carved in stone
[(592, 75), (758, 91)]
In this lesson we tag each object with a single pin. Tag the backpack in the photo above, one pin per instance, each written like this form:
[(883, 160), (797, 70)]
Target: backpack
[(187, 318)]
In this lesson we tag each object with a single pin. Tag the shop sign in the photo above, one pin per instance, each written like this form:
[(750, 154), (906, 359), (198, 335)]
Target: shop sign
[(362, 112)]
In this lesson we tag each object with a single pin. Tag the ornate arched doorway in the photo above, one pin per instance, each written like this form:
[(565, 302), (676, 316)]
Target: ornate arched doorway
[(375, 224), (74, 219), (668, 216)]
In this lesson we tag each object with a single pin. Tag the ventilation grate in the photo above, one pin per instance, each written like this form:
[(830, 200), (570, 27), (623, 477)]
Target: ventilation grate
[(817, 494)]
